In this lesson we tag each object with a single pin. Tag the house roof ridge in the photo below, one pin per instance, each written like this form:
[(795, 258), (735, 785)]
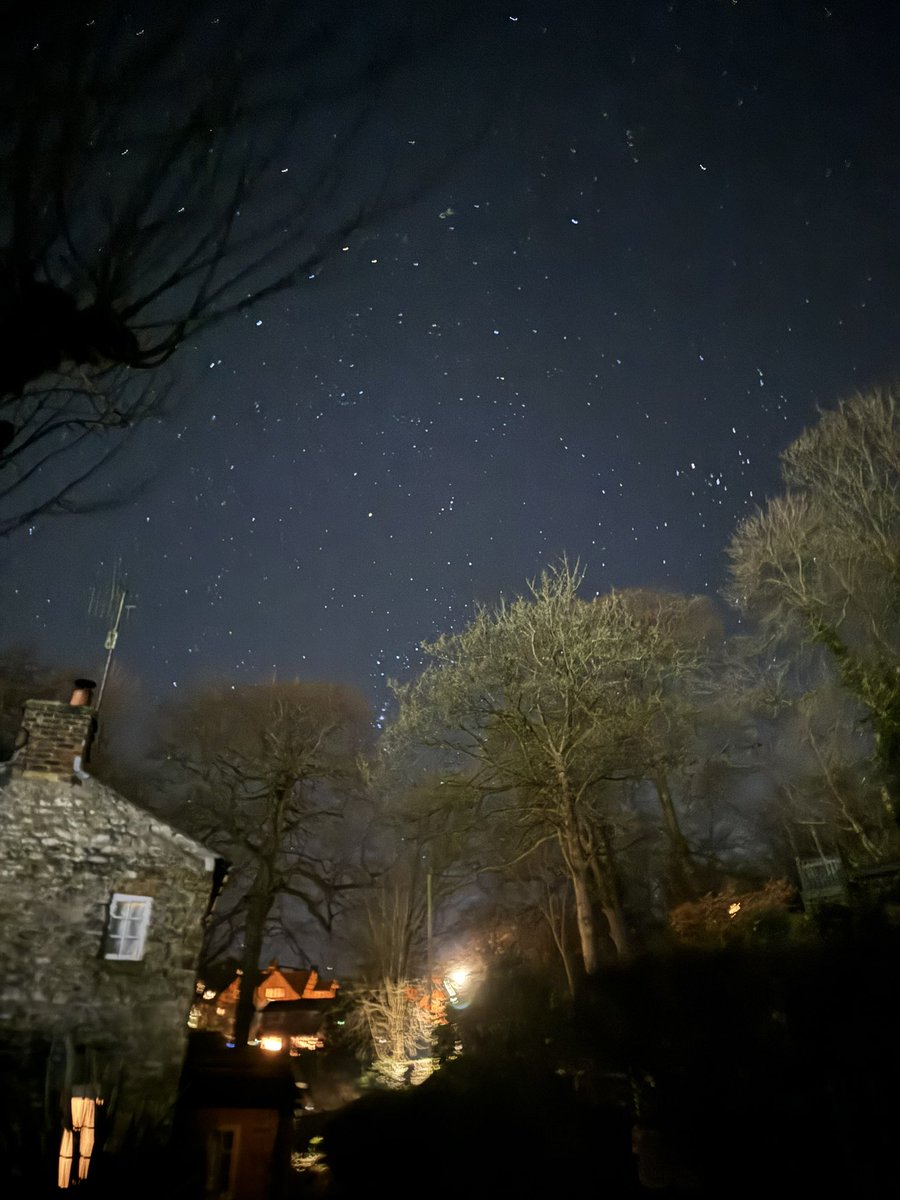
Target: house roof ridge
[(183, 841), (160, 826), (155, 824)]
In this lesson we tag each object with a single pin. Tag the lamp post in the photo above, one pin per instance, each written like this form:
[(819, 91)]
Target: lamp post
[(428, 920)]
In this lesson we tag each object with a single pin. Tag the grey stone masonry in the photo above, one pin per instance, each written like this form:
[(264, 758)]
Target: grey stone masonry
[(55, 736), (65, 848)]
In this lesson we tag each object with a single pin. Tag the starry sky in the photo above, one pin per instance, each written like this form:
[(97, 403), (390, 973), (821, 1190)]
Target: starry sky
[(592, 336)]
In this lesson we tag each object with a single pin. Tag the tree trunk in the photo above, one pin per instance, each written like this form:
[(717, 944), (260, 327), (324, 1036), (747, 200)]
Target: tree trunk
[(556, 920), (578, 865), (258, 904), (685, 877), (584, 918), (606, 875)]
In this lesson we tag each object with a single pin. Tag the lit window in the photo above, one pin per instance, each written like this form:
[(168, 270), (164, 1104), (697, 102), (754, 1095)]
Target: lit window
[(306, 1042), (275, 993), (80, 1136), (126, 930)]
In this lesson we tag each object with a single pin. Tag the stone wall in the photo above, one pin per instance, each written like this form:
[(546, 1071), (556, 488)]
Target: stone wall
[(64, 849)]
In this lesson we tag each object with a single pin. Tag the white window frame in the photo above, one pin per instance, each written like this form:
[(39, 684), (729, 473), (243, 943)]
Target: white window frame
[(127, 926)]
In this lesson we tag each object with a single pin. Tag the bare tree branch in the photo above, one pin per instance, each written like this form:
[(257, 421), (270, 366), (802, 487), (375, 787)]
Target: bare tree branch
[(163, 171), (260, 773), (823, 559)]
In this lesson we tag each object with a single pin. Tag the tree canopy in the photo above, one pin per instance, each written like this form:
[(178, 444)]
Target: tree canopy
[(823, 558), (265, 774), (540, 708)]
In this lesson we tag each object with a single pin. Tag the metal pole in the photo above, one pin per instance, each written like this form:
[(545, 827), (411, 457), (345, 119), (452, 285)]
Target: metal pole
[(110, 645), (428, 966)]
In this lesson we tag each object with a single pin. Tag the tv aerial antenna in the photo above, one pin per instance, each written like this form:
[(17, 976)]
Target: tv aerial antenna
[(110, 605)]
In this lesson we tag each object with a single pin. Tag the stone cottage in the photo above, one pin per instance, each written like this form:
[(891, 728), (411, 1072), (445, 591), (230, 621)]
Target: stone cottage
[(102, 913)]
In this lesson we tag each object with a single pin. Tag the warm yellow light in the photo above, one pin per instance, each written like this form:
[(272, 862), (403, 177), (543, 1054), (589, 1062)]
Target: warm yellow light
[(83, 1116), (272, 1044), (459, 976), (305, 1042), (66, 1150)]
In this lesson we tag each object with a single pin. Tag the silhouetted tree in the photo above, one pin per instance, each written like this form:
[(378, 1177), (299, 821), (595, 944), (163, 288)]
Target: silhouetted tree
[(265, 774), (163, 169), (25, 676)]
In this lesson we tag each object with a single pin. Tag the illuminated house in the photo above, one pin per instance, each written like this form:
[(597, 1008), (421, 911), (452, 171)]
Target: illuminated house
[(102, 912), (291, 1008)]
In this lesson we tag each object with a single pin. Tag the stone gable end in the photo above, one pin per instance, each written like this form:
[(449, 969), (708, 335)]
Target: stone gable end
[(65, 849)]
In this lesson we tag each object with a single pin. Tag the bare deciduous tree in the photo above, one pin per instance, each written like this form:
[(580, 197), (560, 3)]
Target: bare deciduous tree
[(263, 774), (543, 707), (161, 170), (387, 1022), (823, 559), (820, 762), (665, 651), (25, 676), (514, 704), (404, 929)]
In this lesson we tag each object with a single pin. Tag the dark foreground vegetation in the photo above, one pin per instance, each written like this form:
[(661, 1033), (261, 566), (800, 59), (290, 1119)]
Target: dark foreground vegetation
[(702, 1073), (764, 1067)]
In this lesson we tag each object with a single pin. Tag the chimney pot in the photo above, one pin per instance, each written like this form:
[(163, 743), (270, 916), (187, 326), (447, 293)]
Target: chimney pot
[(83, 692)]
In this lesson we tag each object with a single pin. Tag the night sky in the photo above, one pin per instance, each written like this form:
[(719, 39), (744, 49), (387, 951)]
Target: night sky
[(592, 337)]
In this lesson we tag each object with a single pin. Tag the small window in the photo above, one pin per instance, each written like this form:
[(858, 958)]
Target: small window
[(275, 993), (126, 931)]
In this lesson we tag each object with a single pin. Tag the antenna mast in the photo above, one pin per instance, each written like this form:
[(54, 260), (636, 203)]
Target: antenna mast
[(115, 607)]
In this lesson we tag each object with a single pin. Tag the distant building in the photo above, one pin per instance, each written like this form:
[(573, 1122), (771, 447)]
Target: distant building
[(291, 1008), (239, 1102), (102, 913)]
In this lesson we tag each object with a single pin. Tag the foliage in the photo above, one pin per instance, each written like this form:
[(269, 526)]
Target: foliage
[(823, 559), (732, 914), (540, 709), (822, 763), (510, 706), (390, 1029), (740, 1064), (384, 1024)]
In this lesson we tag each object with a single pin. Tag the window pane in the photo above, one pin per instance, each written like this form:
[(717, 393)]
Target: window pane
[(129, 919)]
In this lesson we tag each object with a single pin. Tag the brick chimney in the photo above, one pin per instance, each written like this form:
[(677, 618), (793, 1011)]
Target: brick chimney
[(55, 737)]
